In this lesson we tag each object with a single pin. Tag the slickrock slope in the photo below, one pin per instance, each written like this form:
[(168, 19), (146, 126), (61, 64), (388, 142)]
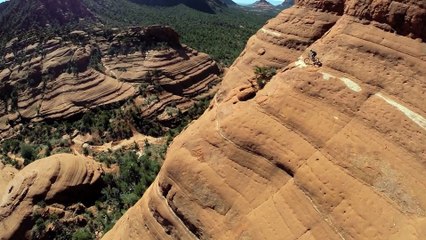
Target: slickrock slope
[(61, 177), (63, 76), (7, 173), (331, 152)]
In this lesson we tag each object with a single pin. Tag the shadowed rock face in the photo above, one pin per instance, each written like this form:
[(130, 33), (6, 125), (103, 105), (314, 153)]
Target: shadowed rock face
[(331, 152), (208, 6), (60, 77), (286, 4), (45, 179), (3, 6), (21, 15)]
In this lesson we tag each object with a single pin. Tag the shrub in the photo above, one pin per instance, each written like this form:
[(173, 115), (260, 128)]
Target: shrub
[(13, 162), (96, 60), (10, 145), (82, 234), (28, 152), (85, 151), (263, 75)]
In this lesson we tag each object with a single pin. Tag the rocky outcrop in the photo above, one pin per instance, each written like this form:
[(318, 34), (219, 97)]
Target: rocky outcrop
[(330, 152), (59, 178), (3, 6), (7, 173), (229, 2), (405, 17), (286, 4), (63, 76), (262, 5)]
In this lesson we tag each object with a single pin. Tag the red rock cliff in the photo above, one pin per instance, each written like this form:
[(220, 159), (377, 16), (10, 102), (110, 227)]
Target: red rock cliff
[(330, 152)]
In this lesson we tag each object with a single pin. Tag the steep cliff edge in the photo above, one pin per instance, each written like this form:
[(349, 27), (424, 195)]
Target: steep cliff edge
[(330, 152)]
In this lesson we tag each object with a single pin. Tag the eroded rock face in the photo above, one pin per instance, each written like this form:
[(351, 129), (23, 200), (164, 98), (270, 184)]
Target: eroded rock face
[(44, 180), (330, 152), (62, 76), (406, 17)]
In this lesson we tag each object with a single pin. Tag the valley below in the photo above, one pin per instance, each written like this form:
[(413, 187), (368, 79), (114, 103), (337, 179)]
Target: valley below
[(137, 120)]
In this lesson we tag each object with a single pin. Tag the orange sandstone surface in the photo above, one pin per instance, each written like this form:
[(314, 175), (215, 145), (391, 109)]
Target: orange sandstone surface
[(330, 152), (59, 177)]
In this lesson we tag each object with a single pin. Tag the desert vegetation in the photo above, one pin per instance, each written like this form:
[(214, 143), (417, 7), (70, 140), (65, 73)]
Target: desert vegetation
[(120, 191), (264, 75), (132, 170)]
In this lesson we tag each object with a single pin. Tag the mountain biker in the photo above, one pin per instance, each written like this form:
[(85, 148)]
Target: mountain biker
[(312, 55)]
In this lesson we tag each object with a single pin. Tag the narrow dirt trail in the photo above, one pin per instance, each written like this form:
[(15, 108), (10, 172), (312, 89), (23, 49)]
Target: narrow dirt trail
[(137, 138)]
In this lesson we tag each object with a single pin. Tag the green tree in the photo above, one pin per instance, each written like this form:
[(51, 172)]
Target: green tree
[(82, 234), (28, 152), (264, 74)]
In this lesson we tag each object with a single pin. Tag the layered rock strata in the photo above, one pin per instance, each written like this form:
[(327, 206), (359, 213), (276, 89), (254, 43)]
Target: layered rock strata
[(330, 152), (63, 76), (58, 178)]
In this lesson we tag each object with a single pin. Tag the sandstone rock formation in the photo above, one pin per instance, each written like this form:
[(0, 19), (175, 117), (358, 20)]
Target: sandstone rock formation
[(262, 5), (286, 4), (61, 177), (7, 173), (331, 152), (62, 76)]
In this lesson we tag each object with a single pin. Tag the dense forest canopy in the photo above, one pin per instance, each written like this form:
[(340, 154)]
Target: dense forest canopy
[(221, 31)]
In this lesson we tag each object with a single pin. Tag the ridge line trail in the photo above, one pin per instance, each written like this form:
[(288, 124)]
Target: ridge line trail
[(137, 138), (354, 86)]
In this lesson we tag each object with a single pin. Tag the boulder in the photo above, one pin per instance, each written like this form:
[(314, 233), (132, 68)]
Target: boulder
[(53, 179)]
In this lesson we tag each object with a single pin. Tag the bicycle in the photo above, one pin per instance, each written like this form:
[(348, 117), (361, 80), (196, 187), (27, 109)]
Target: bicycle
[(313, 61)]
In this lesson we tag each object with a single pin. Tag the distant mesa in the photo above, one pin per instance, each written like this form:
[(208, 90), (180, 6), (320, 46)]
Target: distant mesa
[(262, 5)]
